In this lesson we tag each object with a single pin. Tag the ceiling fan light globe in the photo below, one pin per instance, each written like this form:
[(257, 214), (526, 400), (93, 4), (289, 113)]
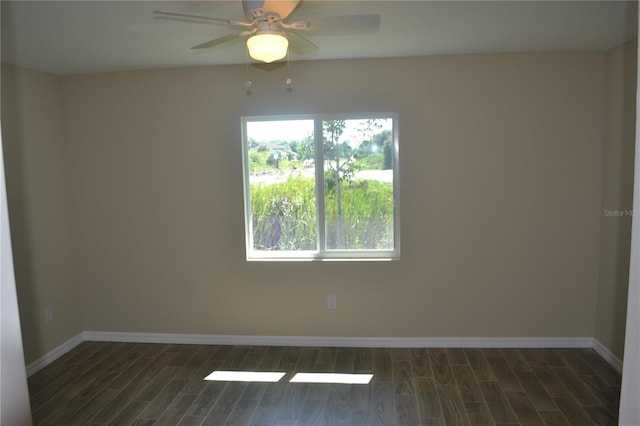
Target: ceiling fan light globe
[(267, 47)]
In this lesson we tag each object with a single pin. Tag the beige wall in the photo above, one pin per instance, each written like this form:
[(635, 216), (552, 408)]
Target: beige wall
[(502, 200), (38, 196), (501, 178), (617, 196)]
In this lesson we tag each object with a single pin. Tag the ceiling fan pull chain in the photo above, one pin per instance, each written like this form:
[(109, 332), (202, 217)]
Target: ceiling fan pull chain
[(248, 83), (289, 80)]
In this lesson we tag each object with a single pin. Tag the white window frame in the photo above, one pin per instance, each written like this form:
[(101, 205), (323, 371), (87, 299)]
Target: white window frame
[(321, 253)]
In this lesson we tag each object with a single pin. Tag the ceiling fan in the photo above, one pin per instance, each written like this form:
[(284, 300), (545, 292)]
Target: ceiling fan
[(271, 33)]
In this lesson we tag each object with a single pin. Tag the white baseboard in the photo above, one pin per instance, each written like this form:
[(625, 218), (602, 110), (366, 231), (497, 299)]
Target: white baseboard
[(361, 342), (322, 341), (54, 354), (608, 356)]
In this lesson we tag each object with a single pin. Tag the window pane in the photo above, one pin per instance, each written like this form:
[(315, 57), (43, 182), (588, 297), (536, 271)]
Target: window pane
[(282, 185), (358, 182)]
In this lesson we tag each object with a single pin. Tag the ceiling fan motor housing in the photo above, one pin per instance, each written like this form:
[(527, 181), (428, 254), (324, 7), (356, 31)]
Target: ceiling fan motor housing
[(267, 26), (253, 14)]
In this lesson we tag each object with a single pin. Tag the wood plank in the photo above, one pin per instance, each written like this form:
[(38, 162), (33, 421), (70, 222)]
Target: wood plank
[(478, 414), (453, 409), (576, 386), (271, 404), (183, 354), (155, 385), (609, 395), (400, 354), (516, 360), (602, 369), (42, 378), (363, 361), (191, 421), (434, 421), (247, 405), (345, 358), (253, 359), (312, 413), (221, 354), (406, 410), (554, 418), (442, 372), (421, 363), (316, 392), (479, 364), (59, 385), (152, 369), (383, 404), (58, 417), (88, 392), (497, 402), (91, 408), (307, 360), (89, 352), (402, 383), (47, 408), (531, 355), (524, 409), (504, 374), (538, 395), (428, 401), (206, 399), (128, 374), (326, 360), (360, 397), (601, 416), (234, 359), (382, 366), (552, 358), (573, 411), (175, 411), (289, 359), (128, 413), (272, 358), (457, 356), (116, 404), (291, 403), (576, 362), (360, 403), (225, 404), (467, 384), (552, 383), (195, 381), (162, 400), (491, 352), (337, 408)]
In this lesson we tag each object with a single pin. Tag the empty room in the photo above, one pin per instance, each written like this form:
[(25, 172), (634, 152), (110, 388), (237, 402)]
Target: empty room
[(319, 212)]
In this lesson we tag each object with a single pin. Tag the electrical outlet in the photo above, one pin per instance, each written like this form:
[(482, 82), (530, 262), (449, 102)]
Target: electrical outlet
[(331, 301), (48, 313)]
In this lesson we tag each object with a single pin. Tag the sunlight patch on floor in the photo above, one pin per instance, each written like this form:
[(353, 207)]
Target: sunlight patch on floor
[(245, 376), (352, 379)]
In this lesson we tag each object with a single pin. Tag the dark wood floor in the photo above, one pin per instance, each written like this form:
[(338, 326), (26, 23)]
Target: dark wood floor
[(144, 384)]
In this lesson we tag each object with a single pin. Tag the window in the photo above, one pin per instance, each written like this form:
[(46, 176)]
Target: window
[(320, 187)]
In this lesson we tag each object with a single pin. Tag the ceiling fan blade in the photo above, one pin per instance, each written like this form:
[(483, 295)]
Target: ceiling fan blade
[(337, 23), (179, 15), (220, 40), (300, 45), (283, 8)]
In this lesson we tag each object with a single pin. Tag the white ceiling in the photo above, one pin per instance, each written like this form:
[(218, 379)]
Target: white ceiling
[(73, 37)]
